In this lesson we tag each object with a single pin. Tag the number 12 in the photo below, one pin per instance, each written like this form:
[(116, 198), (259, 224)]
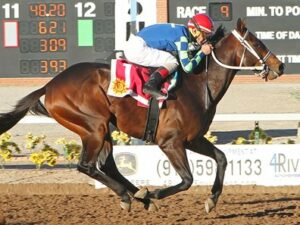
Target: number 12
[(86, 10)]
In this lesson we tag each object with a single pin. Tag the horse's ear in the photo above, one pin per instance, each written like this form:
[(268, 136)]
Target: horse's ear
[(241, 25)]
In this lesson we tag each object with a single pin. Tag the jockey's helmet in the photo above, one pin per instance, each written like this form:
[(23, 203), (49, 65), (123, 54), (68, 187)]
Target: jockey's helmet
[(200, 23)]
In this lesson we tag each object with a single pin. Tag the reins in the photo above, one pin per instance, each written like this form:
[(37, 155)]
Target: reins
[(263, 68)]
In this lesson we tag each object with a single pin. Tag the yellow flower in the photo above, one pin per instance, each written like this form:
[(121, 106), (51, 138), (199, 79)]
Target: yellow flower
[(70, 157), (34, 157), (213, 139), (268, 140), (29, 145), (240, 141), (124, 137), (61, 141), (5, 137), (119, 87), (115, 135), (52, 162), (5, 155), (41, 157)]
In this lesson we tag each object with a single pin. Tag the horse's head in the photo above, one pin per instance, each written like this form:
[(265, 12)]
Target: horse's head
[(253, 53)]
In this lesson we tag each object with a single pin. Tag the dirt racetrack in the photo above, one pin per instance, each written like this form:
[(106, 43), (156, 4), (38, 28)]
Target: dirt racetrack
[(65, 197)]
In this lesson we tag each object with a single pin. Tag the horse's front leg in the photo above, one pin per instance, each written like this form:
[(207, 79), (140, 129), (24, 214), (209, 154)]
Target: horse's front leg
[(107, 164), (204, 147), (176, 153)]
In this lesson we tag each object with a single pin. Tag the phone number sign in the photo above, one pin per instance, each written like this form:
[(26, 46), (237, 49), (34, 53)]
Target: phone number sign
[(269, 165)]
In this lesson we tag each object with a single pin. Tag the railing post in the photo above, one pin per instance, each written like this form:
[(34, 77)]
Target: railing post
[(298, 131)]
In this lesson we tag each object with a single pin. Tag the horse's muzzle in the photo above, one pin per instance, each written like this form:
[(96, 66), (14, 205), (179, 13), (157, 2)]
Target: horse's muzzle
[(281, 69), (275, 72)]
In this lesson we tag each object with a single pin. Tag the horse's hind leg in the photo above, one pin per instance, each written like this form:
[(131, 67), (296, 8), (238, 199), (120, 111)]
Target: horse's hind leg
[(81, 105), (93, 140), (88, 165), (204, 147)]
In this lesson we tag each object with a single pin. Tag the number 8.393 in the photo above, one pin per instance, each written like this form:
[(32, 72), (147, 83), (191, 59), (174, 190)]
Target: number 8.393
[(52, 66)]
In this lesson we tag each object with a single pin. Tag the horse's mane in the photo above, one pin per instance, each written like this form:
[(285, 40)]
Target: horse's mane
[(218, 35), (214, 39)]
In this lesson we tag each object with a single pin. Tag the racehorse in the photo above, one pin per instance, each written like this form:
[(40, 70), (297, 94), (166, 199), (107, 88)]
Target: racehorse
[(76, 98)]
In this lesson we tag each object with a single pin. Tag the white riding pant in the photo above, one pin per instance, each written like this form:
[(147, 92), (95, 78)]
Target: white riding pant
[(137, 51)]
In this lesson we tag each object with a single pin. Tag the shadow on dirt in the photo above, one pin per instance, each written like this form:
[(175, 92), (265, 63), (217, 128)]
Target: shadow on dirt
[(280, 212), (285, 199)]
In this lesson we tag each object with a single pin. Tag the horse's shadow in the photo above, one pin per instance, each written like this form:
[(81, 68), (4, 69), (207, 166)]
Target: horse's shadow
[(280, 211), (19, 223), (284, 199)]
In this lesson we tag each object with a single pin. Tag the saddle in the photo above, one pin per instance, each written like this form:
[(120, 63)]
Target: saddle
[(128, 79)]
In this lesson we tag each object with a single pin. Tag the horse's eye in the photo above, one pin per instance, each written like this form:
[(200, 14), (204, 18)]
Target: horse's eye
[(258, 45)]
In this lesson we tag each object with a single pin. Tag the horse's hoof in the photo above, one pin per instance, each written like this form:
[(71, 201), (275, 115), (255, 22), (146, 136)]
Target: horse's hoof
[(2, 220), (142, 193), (209, 205), (152, 207), (125, 206)]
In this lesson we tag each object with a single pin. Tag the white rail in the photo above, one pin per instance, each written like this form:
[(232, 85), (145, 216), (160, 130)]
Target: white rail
[(258, 117), (217, 118)]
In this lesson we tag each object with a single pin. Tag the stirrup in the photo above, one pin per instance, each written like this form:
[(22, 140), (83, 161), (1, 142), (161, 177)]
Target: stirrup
[(155, 93)]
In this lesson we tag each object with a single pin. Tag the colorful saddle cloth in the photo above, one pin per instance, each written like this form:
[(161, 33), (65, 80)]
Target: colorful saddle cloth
[(128, 79)]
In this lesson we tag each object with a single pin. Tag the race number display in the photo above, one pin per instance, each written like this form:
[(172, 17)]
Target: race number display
[(275, 22), (220, 11), (43, 38)]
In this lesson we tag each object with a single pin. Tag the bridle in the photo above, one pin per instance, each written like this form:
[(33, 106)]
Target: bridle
[(264, 69)]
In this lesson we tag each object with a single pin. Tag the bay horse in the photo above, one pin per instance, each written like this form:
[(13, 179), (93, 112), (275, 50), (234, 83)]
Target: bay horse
[(76, 98)]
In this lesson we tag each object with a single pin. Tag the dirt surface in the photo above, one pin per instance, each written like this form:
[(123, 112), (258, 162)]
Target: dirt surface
[(65, 197)]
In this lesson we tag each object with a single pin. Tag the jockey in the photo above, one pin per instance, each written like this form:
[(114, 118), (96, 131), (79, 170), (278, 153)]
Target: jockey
[(155, 45)]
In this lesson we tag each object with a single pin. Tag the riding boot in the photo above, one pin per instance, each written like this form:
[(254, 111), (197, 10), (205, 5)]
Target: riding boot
[(153, 85)]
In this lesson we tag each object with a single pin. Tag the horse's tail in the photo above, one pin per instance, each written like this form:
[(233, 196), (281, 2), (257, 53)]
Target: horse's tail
[(30, 103)]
